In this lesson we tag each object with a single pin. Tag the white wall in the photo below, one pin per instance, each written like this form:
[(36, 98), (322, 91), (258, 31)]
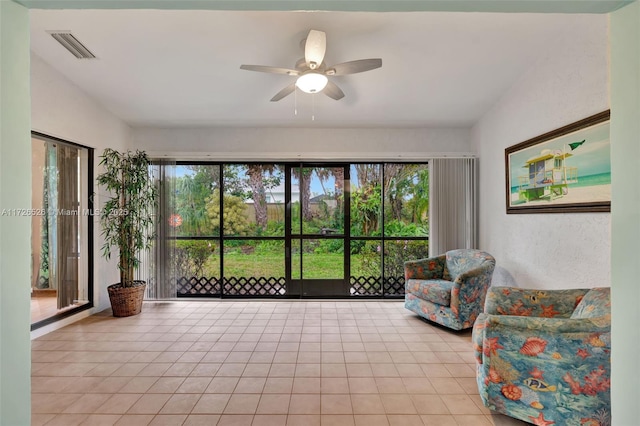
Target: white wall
[(15, 181), (568, 83), (61, 109), (625, 214), (302, 143)]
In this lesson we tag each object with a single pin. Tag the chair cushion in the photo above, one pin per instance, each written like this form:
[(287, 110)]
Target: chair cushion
[(596, 303), (434, 291)]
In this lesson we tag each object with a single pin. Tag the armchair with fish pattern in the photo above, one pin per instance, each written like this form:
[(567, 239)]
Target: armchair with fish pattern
[(543, 356), (449, 289)]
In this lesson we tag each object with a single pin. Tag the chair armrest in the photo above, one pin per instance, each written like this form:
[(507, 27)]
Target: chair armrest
[(469, 293), (532, 303), (425, 269)]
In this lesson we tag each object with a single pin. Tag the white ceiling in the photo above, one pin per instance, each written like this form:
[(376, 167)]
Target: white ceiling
[(181, 68)]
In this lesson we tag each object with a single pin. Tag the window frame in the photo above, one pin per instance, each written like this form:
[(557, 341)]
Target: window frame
[(89, 237), (386, 291)]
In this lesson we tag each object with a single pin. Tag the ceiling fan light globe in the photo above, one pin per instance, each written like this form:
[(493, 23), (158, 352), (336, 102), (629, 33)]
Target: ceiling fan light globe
[(312, 82)]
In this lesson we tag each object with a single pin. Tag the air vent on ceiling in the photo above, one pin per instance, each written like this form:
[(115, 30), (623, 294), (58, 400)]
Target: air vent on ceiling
[(72, 44)]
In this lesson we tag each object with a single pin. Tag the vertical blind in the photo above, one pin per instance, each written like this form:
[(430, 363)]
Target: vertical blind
[(158, 268), (67, 224), (453, 206)]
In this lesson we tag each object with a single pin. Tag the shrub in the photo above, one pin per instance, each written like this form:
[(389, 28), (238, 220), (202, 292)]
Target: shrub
[(235, 220), (398, 252), (191, 256), (396, 228), (330, 246)]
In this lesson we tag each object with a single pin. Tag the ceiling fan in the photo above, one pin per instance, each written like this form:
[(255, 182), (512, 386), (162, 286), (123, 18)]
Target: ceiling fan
[(312, 72)]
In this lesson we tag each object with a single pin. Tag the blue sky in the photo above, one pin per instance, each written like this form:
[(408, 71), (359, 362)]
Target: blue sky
[(316, 186)]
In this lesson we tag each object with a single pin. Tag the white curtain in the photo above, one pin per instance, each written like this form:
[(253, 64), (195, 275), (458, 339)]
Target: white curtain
[(453, 205)]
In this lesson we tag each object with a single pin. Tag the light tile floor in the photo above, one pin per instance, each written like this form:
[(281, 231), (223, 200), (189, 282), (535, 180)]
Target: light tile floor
[(44, 307), (261, 363)]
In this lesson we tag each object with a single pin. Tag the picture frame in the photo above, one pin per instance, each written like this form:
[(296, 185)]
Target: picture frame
[(567, 170)]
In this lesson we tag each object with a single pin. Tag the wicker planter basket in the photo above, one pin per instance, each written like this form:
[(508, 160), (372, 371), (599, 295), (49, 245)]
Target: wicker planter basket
[(126, 301)]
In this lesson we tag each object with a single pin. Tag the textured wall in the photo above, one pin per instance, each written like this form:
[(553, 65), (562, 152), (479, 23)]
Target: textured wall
[(61, 109), (300, 143), (15, 193), (625, 157), (569, 82)]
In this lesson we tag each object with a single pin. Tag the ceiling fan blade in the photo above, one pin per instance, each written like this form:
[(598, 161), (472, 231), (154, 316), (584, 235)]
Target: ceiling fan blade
[(315, 48), (354, 67), (333, 91), (284, 92), (272, 70)]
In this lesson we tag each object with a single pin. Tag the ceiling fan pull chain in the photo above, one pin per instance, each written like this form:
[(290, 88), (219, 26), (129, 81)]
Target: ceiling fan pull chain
[(295, 101), (313, 107)]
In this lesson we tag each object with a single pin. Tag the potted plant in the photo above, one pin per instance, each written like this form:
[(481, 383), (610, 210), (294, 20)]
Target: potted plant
[(126, 220)]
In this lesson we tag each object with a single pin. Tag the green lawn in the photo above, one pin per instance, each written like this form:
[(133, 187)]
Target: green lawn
[(316, 265), (253, 265)]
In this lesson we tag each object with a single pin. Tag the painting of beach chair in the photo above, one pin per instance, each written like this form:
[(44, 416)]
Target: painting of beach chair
[(566, 170)]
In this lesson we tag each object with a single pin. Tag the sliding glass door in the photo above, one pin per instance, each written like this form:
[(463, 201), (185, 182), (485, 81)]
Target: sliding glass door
[(253, 240), (288, 229), (61, 233), (319, 261)]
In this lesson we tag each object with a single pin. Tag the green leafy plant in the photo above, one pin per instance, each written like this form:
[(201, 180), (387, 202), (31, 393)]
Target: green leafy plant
[(398, 252), (330, 246), (235, 219), (127, 216), (396, 228), (191, 192), (366, 204), (192, 255), (366, 259)]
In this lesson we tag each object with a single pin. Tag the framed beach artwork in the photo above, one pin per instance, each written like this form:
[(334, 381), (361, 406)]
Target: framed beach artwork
[(567, 170)]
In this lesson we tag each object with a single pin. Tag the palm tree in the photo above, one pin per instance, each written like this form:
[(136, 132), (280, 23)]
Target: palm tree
[(324, 174), (420, 201), (368, 174), (367, 197), (256, 182), (392, 185), (303, 174)]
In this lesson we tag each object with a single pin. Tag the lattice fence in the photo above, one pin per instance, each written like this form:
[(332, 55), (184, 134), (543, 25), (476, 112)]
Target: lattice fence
[(372, 286), (198, 286), (255, 286), (365, 286), (394, 286), (272, 286)]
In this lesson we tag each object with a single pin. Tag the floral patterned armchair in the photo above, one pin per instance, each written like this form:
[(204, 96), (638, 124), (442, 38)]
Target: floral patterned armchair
[(543, 356), (449, 289)]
